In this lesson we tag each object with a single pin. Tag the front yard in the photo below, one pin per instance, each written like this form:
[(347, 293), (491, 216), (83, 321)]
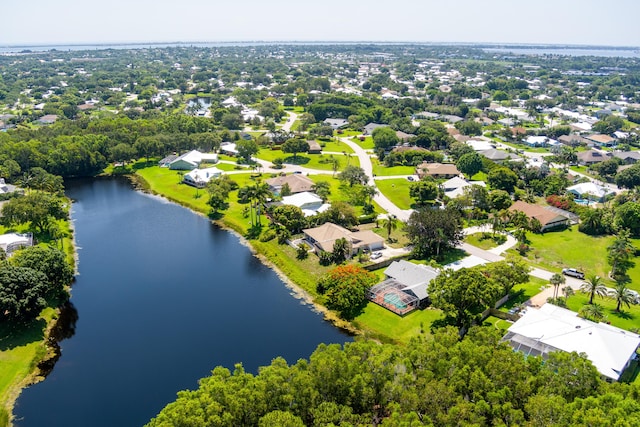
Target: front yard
[(556, 250)]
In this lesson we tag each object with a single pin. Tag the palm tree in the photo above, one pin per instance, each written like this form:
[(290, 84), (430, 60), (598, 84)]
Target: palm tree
[(620, 253), (390, 224), (622, 295), (593, 286), (335, 164), (593, 312), (322, 189), (556, 280), (370, 192), (260, 192), (496, 224), (567, 291)]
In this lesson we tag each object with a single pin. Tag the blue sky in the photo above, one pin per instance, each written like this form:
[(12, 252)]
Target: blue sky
[(612, 22)]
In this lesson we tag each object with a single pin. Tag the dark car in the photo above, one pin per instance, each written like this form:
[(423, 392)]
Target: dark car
[(573, 273)]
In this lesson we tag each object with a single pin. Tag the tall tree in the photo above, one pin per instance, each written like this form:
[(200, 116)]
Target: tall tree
[(620, 254), (345, 288), (593, 286), (36, 208), (463, 295), (295, 146), (622, 294), (469, 164), (384, 137), (390, 223), (556, 280), (353, 175), (433, 231)]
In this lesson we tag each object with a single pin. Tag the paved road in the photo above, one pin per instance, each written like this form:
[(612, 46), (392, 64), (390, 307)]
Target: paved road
[(290, 121), (380, 199)]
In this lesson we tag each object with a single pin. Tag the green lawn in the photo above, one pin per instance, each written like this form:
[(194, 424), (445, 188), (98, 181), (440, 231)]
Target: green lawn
[(367, 144), (496, 322), (396, 190), (570, 248), (311, 161), (230, 166), (336, 146), (477, 241), (628, 318), (523, 292), (388, 326), (382, 170)]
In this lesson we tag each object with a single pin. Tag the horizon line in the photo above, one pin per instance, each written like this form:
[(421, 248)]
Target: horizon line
[(290, 42)]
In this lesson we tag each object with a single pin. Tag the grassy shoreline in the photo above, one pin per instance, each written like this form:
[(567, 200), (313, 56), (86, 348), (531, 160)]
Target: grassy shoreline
[(27, 350)]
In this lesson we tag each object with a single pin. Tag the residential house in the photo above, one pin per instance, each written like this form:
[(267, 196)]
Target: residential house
[(601, 140), (200, 177), (550, 328), (310, 203), (47, 119), (336, 123), (591, 157), (405, 148), (369, 128), (323, 238), (548, 216), (455, 186), (437, 170), (404, 288), (452, 119), (590, 191), (480, 145), (572, 140), (192, 160), (228, 148), (499, 156), (11, 242), (539, 141), (628, 157), (297, 183), (164, 163), (314, 147), (404, 137), (6, 188)]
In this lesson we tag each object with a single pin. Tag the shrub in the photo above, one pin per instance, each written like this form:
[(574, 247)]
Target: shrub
[(326, 258), (302, 252), (267, 235)]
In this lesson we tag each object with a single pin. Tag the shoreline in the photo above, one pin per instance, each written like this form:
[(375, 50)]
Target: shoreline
[(43, 363), (140, 184)]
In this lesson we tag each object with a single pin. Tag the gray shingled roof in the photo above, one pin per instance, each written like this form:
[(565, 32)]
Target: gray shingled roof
[(414, 277)]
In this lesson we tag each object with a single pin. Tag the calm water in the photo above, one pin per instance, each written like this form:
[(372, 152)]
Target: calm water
[(163, 297)]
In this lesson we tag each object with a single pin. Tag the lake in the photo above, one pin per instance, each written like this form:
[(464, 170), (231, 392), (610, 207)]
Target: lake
[(163, 296)]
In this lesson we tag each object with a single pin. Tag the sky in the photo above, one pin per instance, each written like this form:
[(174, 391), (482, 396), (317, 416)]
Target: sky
[(580, 22)]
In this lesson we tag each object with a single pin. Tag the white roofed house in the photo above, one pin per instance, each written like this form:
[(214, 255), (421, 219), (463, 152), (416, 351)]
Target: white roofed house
[(200, 177), (309, 203), (192, 160), (590, 191), (11, 242), (542, 331), (455, 186)]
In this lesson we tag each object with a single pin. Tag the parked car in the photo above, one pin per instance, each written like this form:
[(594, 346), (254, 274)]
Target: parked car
[(376, 255), (410, 178), (573, 273)]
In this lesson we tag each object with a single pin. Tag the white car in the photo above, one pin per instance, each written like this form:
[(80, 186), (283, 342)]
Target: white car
[(376, 255)]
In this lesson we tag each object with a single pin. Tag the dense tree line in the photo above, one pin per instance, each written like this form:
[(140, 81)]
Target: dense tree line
[(28, 279), (439, 380)]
